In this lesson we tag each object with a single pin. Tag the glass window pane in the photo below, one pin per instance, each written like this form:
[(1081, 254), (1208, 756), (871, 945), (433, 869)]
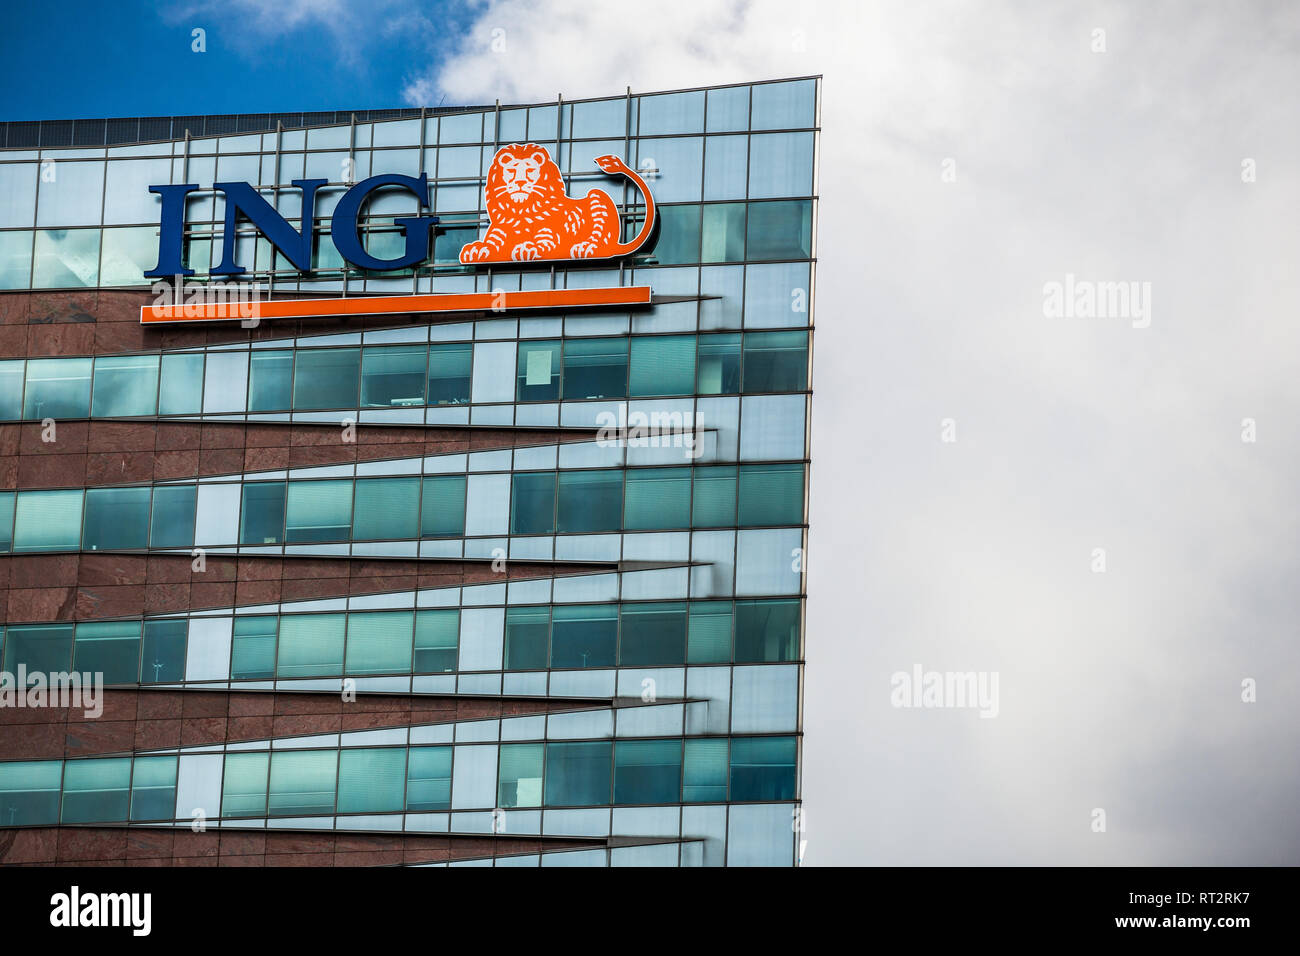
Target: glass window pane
[(326, 378), (776, 361), (252, 647), (654, 635), (181, 391), (29, 792), (65, 258), (672, 113), (153, 788), (6, 521), (657, 498), (724, 233), (719, 364), (779, 230), (128, 254), (442, 507), (704, 771), (577, 774), (677, 163), (57, 388), (379, 642), (372, 780), (679, 235), (527, 630), (762, 768), (725, 161), (110, 648), (781, 165), (647, 771), (15, 257), (270, 380), (302, 782), (318, 511), (714, 502), (519, 783), (11, 388), (599, 118), (243, 785), (663, 365), (709, 638), (393, 376), (48, 521), (428, 778), (539, 372), (116, 519), (261, 519), (771, 495), (311, 645), (41, 647), (387, 509), (172, 522), (437, 637), (96, 791), (767, 631), (595, 368), (728, 109), (584, 635), (533, 503), (590, 500), (162, 656), (126, 193), (125, 385), (70, 193), (18, 194), (449, 370), (788, 105)]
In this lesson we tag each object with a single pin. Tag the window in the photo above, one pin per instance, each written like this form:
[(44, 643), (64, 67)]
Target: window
[(527, 637), (709, 634), (252, 647), (726, 160), (595, 368), (116, 519), (538, 374), (519, 780), (6, 521), (533, 503), (48, 521), (590, 500), (577, 774), (172, 522), (771, 495), (647, 771), (270, 380), (447, 243), (125, 385), (654, 635), (679, 234), (326, 378), (719, 364), (762, 768), (111, 648), (261, 519), (449, 370), (393, 376), (311, 645), (66, 258), (162, 653), (386, 509), (767, 631), (42, 647), (663, 365), (442, 507), (243, 785), (29, 792), (372, 780), (779, 230), (724, 233), (379, 642), (428, 778), (657, 498), (437, 637), (785, 105), (776, 361), (728, 109), (780, 164), (704, 770), (153, 788), (714, 504), (318, 511), (181, 388), (584, 635), (15, 257), (302, 782), (96, 791), (57, 388), (11, 386)]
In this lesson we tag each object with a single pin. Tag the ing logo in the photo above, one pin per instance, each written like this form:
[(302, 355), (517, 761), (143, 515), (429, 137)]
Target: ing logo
[(531, 217)]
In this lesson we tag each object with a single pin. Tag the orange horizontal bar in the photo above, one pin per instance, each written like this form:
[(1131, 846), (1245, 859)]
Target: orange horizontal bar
[(617, 296)]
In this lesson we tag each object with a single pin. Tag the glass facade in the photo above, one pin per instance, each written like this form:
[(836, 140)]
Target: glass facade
[(677, 654)]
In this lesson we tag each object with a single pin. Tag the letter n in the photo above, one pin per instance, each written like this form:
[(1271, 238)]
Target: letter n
[(294, 246)]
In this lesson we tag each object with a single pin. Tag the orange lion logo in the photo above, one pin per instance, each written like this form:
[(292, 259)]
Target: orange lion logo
[(531, 217)]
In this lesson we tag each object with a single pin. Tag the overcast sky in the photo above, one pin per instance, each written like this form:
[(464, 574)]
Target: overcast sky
[(1119, 690)]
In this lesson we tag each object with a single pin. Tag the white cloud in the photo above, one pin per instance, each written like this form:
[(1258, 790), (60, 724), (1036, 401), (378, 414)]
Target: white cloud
[(1118, 690)]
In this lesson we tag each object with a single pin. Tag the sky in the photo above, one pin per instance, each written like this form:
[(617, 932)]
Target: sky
[(1099, 509)]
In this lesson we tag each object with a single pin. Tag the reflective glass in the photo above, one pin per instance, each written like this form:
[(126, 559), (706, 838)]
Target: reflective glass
[(647, 771), (671, 113), (709, 636), (70, 193), (326, 378), (449, 373), (776, 362), (724, 233), (519, 780), (379, 642), (726, 160), (442, 506), (654, 635), (663, 365), (787, 105), (311, 645), (41, 647), (261, 519), (302, 782), (428, 778), (252, 647), (679, 234), (533, 503), (779, 230), (96, 791), (372, 780), (57, 388), (181, 390), (714, 502), (595, 368), (48, 521), (577, 774), (18, 195), (15, 259), (318, 511), (719, 369), (767, 631), (437, 637), (125, 385), (153, 788), (762, 768), (110, 648), (780, 164), (393, 376), (29, 792), (243, 785), (65, 259), (539, 372), (11, 389), (116, 519), (771, 495), (584, 635), (704, 770), (657, 498), (270, 380), (590, 501), (386, 509), (728, 109), (162, 654), (172, 522), (128, 253), (527, 630)]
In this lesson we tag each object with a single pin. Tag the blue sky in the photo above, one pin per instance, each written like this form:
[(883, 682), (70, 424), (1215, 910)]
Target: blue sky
[(83, 59)]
